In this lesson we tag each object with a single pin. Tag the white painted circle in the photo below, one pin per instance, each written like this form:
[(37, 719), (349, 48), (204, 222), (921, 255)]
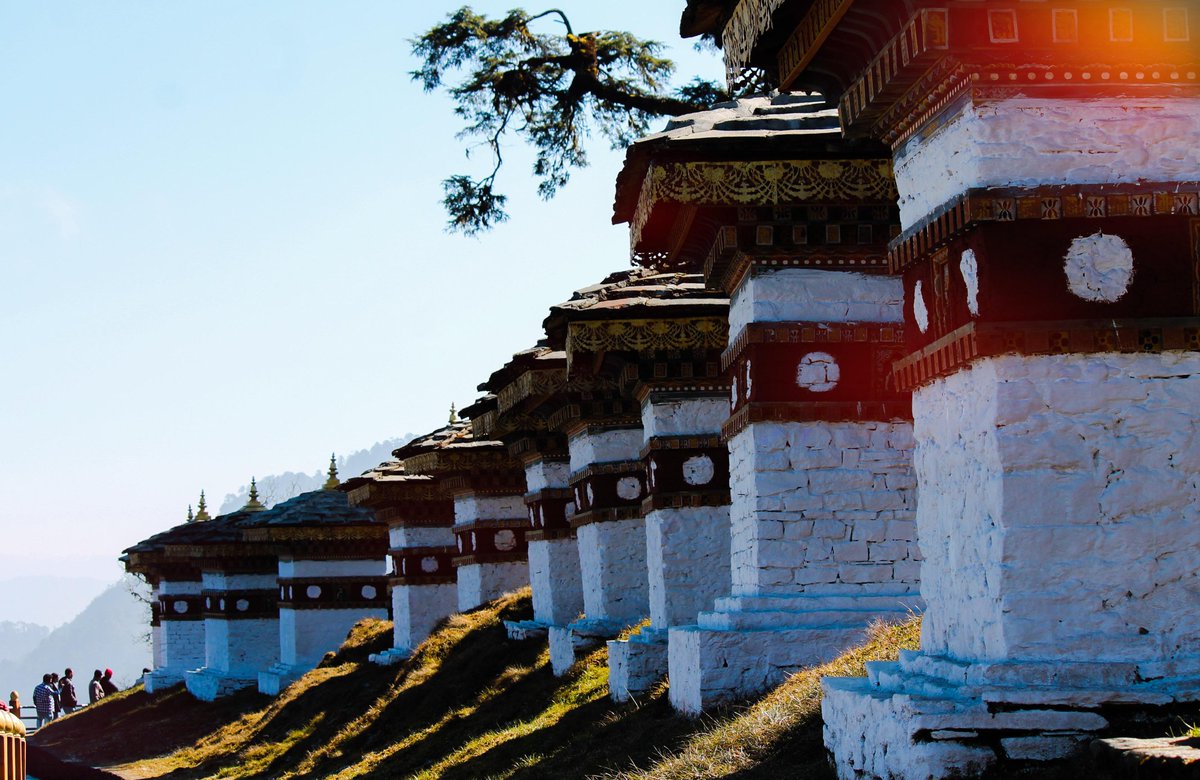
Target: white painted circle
[(1099, 267), (313, 591), (733, 390), (180, 607), (208, 603), (506, 540), (242, 605), (429, 564), (221, 605), (749, 381), (920, 310), (460, 544), (532, 516), (968, 266), (818, 372), (629, 488), (698, 470), (474, 541), (591, 494), (653, 472), (368, 591)]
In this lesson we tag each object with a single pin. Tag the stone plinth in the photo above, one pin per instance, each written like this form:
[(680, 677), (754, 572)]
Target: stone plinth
[(823, 534), (241, 632), (319, 602), (608, 486), (1056, 517), (423, 586), (687, 530), (490, 531), (179, 637)]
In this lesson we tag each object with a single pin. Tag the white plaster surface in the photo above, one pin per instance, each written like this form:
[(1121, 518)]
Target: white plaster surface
[(818, 372), (420, 536), (416, 609), (306, 635), (920, 308), (219, 580), (683, 417), (470, 507), (208, 684), (555, 580), (699, 470), (1099, 267), (810, 295), (562, 650), (823, 507), (1026, 142), (968, 266), (609, 446), (612, 558), (240, 648), (481, 582), (542, 474), (183, 645), (687, 552), (1100, 567), (343, 568), (635, 666), (178, 588), (157, 649)]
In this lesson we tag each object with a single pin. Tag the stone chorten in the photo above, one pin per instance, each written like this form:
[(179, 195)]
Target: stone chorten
[(419, 517), (1049, 189)]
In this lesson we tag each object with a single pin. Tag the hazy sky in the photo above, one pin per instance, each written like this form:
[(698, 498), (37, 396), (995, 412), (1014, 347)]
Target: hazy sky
[(222, 252)]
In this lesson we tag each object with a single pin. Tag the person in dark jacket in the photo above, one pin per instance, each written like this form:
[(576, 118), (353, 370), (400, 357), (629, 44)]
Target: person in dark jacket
[(96, 687), (107, 683), (66, 692)]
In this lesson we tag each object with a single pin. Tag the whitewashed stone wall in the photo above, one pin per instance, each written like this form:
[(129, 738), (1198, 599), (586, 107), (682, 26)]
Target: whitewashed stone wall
[(157, 654), (416, 609), (241, 648), (420, 536), (470, 507), (684, 417), (346, 568), (1026, 142), (612, 561), (1060, 508), (556, 581), (609, 446), (306, 635), (687, 552), (179, 644), (810, 295), (542, 474), (480, 582), (823, 507)]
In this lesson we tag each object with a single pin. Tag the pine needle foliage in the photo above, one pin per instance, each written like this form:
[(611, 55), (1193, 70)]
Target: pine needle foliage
[(518, 75)]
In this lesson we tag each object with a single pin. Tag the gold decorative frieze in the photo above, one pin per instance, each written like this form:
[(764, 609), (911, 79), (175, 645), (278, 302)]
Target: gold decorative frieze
[(529, 384), (762, 183), (647, 335)]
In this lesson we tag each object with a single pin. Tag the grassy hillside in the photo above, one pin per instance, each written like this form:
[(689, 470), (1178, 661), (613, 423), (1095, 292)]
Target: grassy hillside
[(468, 704)]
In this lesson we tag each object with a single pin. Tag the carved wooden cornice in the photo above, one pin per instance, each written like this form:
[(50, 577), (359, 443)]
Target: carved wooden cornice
[(646, 335), (811, 333), (761, 183)]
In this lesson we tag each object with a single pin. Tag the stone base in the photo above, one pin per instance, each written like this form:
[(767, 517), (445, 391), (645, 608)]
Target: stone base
[(274, 680), (751, 643), (209, 684), (479, 583), (521, 630), (161, 679), (636, 664), (390, 657), (566, 642), (929, 717)]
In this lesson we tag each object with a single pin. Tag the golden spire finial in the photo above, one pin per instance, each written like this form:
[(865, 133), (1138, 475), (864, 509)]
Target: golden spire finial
[(333, 481), (190, 518), (453, 414), (252, 503), (201, 510)]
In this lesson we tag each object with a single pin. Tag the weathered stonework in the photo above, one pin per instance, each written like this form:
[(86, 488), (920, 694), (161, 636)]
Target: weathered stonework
[(823, 534), (241, 633), (481, 582), (178, 639), (687, 547)]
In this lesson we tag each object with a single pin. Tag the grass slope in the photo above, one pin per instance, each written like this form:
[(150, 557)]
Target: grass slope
[(468, 704)]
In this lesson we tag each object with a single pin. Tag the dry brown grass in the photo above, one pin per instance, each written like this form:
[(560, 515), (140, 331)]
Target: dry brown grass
[(468, 704)]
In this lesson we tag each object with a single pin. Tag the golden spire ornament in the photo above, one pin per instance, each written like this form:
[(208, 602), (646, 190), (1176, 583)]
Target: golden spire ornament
[(252, 503), (333, 481), (190, 518), (453, 414), (202, 510)]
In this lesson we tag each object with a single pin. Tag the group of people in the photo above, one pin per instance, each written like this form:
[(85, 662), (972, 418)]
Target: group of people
[(56, 696)]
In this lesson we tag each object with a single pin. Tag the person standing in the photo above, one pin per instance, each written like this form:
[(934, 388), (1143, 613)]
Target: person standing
[(96, 688), (66, 692), (43, 701), (14, 703), (54, 694), (107, 683)]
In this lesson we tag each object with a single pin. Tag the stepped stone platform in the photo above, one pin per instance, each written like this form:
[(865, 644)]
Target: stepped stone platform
[(209, 685)]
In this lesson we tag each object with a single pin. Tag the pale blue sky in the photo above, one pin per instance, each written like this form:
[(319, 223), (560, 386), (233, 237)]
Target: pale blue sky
[(222, 252)]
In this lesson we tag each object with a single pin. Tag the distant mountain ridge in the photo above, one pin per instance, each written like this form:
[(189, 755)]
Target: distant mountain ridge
[(113, 631), (18, 639), (275, 488)]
